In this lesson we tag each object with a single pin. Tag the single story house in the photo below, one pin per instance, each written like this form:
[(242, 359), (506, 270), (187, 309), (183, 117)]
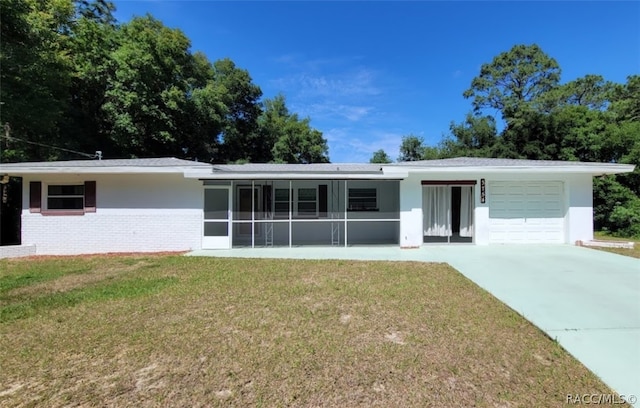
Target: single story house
[(168, 204)]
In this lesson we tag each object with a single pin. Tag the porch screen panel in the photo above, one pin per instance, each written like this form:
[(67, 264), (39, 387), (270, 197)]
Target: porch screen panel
[(216, 212), (267, 201), (436, 202), (216, 229)]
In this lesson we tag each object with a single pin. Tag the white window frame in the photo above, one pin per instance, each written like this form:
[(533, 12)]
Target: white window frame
[(45, 194), (377, 204)]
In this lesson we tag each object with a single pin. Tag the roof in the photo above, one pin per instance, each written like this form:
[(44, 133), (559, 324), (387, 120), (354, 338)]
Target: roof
[(494, 165), (149, 162), (328, 168), (294, 171), (148, 165), (484, 161), (192, 169)]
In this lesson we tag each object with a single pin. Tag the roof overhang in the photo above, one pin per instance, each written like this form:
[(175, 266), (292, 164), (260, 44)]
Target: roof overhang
[(591, 168), (298, 172), (290, 176), (90, 170)]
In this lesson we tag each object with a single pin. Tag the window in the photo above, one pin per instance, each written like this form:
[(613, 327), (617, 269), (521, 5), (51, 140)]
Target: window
[(65, 197), (62, 199), (307, 202), (281, 203), (363, 199)]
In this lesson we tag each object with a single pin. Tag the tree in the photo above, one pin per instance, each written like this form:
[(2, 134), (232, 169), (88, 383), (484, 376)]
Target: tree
[(148, 91), (240, 96), (204, 122), (99, 11), (272, 125), (626, 99), (590, 91), (617, 198), (513, 78), (294, 140), (411, 148), (380, 156), (35, 72), (476, 136), (91, 46)]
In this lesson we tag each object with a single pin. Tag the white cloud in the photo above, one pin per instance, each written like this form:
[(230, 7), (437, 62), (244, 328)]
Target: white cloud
[(345, 100), (347, 145), (358, 83), (330, 110)]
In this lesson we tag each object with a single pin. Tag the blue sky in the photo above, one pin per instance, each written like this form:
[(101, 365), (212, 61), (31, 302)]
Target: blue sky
[(368, 73)]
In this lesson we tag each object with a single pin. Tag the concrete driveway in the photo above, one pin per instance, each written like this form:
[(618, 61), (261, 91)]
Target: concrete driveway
[(588, 300)]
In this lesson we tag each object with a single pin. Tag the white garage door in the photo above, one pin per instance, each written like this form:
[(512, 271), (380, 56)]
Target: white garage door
[(526, 212)]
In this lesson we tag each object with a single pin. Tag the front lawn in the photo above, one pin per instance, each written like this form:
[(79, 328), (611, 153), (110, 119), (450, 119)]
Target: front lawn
[(180, 331)]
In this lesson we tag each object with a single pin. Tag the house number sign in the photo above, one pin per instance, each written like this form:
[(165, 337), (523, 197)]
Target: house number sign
[(483, 197)]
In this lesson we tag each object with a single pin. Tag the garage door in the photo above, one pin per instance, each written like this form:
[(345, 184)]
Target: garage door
[(526, 212)]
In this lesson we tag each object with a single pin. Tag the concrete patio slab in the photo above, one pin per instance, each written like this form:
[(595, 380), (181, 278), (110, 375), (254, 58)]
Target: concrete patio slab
[(588, 300)]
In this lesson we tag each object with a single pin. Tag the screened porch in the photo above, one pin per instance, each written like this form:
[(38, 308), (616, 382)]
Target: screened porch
[(281, 213)]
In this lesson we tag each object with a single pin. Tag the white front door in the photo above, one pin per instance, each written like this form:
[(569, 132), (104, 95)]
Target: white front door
[(217, 218)]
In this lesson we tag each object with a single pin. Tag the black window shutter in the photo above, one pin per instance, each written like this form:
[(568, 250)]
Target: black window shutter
[(35, 197), (90, 196), (322, 200)]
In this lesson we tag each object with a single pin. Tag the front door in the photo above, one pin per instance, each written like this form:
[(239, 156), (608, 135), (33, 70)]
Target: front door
[(217, 220), (447, 213)]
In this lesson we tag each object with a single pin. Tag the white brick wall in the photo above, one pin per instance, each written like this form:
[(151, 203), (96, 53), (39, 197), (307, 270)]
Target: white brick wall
[(142, 213)]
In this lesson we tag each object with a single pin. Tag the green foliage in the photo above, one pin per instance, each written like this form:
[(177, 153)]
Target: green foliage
[(411, 148), (92, 44), (590, 91), (380, 156), (293, 139), (616, 207), (513, 78), (99, 11), (476, 136), (147, 96), (35, 71), (625, 100), (240, 97)]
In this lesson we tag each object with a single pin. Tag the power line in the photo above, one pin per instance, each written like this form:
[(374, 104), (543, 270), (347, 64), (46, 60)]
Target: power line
[(97, 154)]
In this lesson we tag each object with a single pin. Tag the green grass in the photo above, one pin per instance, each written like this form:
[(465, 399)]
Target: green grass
[(170, 330), (635, 252), (26, 307)]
